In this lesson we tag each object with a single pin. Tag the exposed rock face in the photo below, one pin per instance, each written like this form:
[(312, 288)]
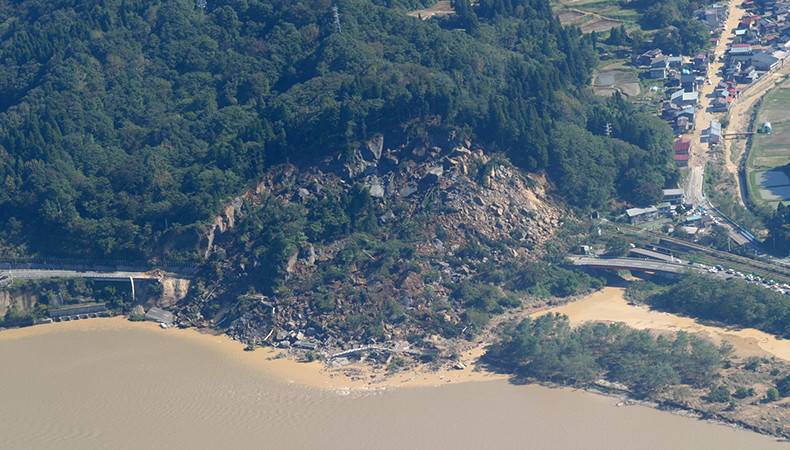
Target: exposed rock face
[(25, 301), (459, 196), (173, 291)]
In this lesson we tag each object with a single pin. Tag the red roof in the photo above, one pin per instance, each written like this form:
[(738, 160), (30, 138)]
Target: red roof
[(741, 45), (682, 145), (681, 157)]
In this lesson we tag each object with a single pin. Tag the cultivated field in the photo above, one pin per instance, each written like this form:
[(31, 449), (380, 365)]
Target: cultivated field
[(440, 9), (768, 165), (609, 9), (586, 21)]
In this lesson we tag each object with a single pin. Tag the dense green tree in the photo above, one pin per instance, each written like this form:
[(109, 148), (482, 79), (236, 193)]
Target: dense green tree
[(547, 348)]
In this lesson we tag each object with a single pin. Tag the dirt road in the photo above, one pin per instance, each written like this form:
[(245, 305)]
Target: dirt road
[(699, 149), (740, 114)]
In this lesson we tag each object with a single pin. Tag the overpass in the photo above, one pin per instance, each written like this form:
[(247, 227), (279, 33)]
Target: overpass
[(8, 275), (641, 265), (97, 275)]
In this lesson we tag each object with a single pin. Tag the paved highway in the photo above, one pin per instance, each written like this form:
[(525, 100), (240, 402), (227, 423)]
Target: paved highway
[(7, 275), (632, 264)]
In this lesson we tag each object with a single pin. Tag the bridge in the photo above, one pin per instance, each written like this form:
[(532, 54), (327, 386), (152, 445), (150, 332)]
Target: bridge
[(640, 265), (99, 275), (7, 275)]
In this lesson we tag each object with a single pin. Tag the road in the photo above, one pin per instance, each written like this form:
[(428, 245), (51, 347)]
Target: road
[(9, 275), (633, 264), (700, 150), (740, 113)]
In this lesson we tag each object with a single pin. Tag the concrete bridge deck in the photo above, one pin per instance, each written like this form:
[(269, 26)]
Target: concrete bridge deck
[(632, 264)]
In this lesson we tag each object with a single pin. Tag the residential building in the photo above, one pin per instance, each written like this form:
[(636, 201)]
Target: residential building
[(714, 132), (640, 215), (674, 196)]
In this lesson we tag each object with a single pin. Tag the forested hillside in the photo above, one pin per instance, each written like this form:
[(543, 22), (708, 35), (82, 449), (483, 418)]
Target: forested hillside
[(124, 123)]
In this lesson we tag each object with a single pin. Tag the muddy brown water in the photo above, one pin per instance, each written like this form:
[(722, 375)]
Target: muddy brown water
[(107, 383)]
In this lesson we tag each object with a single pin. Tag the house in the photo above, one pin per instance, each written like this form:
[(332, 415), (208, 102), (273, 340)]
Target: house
[(746, 77), (682, 125), (740, 49), (721, 104), (681, 160), (693, 221), (713, 16), (640, 215), (645, 58), (763, 61), (674, 196), (689, 112), (714, 132), (682, 145), (688, 82), (684, 98), (669, 111), (664, 208), (739, 62), (700, 61), (675, 61), (659, 61), (658, 72)]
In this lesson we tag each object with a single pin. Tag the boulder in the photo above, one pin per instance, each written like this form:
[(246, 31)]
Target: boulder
[(371, 150), (434, 174), (292, 262), (138, 310), (407, 190), (387, 216), (308, 253), (376, 190)]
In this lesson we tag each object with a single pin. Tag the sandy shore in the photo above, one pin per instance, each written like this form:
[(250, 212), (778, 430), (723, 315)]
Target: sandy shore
[(271, 360), (608, 304)]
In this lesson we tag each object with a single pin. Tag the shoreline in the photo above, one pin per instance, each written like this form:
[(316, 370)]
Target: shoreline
[(362, 377), (275, 362)]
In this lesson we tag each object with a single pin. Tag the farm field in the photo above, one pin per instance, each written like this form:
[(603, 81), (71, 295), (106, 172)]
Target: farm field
[(607, 9), (768, 164), (607, 82)]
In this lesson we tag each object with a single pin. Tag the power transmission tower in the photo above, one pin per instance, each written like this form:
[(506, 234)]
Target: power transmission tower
[(608, 129), (337, 19)]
